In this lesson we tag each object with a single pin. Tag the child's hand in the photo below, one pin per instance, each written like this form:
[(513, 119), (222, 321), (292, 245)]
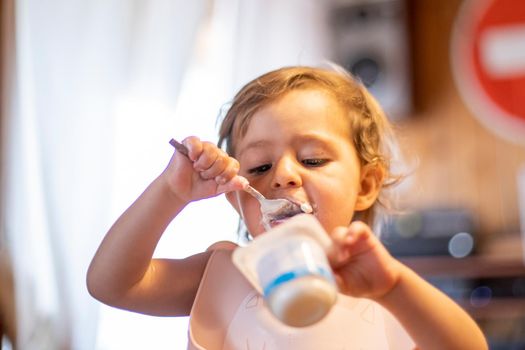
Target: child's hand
[(362, 265), (205, 172)]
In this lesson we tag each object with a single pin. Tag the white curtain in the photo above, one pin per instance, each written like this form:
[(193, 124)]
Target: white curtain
[(273, 33), (76, 61), (100, 86)]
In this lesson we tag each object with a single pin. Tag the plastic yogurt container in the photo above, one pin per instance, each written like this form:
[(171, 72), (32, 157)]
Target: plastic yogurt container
[(288, 266)]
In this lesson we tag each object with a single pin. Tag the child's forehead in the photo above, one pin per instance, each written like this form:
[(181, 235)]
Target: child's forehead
[(244, 115), (271, 127), (303, 99), (299, 106)]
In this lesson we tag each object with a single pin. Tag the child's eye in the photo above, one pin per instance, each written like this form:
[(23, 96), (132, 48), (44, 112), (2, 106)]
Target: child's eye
[(260, 169), (314, 162)]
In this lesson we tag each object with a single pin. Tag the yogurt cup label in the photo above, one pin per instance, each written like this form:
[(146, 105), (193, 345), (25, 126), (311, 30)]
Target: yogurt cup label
[(297, 256)]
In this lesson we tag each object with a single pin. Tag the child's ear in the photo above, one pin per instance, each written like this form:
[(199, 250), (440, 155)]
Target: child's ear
[(372, 177)]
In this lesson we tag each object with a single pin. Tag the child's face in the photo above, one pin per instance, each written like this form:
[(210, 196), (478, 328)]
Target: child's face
[(300, 148)]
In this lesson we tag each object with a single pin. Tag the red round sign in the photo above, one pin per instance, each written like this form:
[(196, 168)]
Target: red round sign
[(488, 60)]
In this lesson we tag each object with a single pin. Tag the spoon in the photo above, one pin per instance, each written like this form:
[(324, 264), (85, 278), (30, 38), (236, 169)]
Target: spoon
[(268, 206)]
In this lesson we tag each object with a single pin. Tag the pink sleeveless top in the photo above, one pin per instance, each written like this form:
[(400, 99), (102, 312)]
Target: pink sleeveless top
[(228, 314)]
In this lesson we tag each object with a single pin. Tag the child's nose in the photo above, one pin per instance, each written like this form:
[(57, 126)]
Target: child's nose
[(286, 174)]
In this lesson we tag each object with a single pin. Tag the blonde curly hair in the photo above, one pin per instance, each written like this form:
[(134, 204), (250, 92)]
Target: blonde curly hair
[(371, 131)]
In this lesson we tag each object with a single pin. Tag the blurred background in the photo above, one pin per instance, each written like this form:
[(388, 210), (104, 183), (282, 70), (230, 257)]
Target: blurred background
[(92, 91)]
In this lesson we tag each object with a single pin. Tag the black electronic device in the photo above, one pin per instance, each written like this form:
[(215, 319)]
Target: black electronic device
[(370, 39)]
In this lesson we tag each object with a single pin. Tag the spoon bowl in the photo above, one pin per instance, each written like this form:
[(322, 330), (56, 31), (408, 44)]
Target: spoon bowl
[(268, 206)]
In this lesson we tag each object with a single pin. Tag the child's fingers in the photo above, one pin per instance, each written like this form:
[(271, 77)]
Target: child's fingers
[(215, 168), (338, 255), (228, 172), (222, 169), (349, 242), (194, 146), (207, 158), (237, 183)]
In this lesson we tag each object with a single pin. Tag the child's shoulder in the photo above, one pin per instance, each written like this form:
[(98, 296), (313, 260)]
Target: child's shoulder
[(222, 245)]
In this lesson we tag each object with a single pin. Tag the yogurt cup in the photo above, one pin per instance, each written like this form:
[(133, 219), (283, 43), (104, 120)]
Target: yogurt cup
[(288, 266)]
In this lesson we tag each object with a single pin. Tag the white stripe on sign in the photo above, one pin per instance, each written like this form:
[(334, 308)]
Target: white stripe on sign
[(502, 51)]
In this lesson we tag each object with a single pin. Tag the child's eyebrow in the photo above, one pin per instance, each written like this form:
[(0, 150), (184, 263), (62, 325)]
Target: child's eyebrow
[(252, 145), (312, 139), (315, 139)]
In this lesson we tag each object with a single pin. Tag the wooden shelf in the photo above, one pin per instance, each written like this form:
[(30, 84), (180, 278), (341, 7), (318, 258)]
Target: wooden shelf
[(497, 308), (476, 267), (469, 267)]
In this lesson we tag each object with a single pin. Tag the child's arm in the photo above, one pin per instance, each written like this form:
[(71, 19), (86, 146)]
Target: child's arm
[(364, 268), (123, 274)]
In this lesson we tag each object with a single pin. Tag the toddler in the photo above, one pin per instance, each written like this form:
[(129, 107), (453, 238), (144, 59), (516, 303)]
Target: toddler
[(309, 135)]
